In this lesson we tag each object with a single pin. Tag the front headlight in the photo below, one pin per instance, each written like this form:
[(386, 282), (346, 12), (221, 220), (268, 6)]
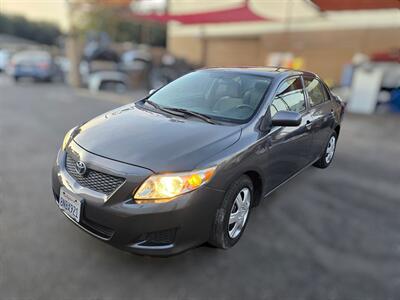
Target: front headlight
[(67, 138), (164, 187)]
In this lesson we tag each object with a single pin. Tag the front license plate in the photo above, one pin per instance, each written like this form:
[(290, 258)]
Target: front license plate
[(70, 204)]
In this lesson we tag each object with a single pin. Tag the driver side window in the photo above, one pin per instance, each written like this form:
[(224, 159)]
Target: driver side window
[(290, 97)]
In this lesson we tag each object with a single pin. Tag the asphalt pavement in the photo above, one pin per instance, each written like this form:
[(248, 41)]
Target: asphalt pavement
[(327, 234)]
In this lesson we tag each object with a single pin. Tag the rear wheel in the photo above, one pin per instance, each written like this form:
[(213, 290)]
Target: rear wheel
[(329, 152), (232, 217)]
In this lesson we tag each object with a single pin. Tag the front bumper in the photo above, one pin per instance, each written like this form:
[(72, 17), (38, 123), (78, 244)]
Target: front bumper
[(152, 229)]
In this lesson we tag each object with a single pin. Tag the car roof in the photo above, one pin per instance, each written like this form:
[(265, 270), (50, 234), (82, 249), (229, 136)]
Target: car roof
[(31, 54), (265, 71)]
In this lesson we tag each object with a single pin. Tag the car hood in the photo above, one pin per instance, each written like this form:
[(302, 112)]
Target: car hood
[(153, 140)]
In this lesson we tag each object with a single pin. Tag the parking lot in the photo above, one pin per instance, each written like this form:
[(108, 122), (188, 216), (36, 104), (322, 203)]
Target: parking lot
[(328, 234)]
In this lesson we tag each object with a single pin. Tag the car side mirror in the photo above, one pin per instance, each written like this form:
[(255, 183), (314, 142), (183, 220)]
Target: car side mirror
[(286, 118), (152, 91)]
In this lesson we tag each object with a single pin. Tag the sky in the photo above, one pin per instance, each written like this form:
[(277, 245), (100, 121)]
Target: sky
[(40, 10)]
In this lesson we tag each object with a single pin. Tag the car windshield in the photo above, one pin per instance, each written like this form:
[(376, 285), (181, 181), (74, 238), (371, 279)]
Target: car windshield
[(31, 55), (220, 95)]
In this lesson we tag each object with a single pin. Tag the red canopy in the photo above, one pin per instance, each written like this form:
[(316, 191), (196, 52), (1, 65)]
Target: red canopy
[(242, 13), (325, 5)]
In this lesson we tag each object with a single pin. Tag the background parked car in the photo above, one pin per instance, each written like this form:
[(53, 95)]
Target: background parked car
[(137, 59), (112, 81), (35, 64), (169, 69), (4, 58)]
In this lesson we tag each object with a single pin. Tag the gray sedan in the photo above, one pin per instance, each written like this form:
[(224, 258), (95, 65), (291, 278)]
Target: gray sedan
[(187, 164)]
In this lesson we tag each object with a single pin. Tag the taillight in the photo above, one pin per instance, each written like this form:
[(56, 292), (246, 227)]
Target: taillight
[(43, 65)]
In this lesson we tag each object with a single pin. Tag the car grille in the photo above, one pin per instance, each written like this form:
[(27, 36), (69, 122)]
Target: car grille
[(94, 180), (157, 238)]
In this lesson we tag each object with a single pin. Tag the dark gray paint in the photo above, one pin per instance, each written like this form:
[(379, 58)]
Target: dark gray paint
[(153, 140)]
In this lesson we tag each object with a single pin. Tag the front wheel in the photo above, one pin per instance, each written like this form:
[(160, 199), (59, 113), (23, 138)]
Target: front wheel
[(231, 218), (328, 153)]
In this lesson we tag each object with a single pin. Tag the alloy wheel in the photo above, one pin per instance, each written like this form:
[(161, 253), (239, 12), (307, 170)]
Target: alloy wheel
[(239, 212), (330, 149)]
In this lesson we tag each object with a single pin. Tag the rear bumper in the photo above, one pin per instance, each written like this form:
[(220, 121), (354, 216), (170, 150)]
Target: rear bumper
[(151, 229), (35, 73)]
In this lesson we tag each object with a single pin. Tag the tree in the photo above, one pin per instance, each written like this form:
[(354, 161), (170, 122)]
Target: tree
[(103, 18), (41, 32)]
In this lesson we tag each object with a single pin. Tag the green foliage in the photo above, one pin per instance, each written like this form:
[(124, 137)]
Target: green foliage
[(120, 29), (158, 35), (41, 32)]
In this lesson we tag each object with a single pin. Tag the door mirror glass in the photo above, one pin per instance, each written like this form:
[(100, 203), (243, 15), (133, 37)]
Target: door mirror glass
[(286, 118)]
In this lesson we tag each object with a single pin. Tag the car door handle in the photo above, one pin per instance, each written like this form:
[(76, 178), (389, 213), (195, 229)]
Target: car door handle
[(308, 124)]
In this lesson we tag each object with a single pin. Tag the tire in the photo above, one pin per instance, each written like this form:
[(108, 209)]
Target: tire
[(223, 234), (328, 154)]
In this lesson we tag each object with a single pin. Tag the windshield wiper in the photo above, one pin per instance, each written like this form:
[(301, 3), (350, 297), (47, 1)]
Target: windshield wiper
[(159, 107), (192, 113), (153, 104), (181, 112)]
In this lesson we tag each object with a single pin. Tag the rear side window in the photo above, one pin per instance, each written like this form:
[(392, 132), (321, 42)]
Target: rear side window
[(315, 90), (290, 97)]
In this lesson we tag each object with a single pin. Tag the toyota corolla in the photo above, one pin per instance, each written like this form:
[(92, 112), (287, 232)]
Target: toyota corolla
[(188, 163)]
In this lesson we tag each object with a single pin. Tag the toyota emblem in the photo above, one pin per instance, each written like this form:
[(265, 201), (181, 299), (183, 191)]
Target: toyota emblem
[(80, 167)]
